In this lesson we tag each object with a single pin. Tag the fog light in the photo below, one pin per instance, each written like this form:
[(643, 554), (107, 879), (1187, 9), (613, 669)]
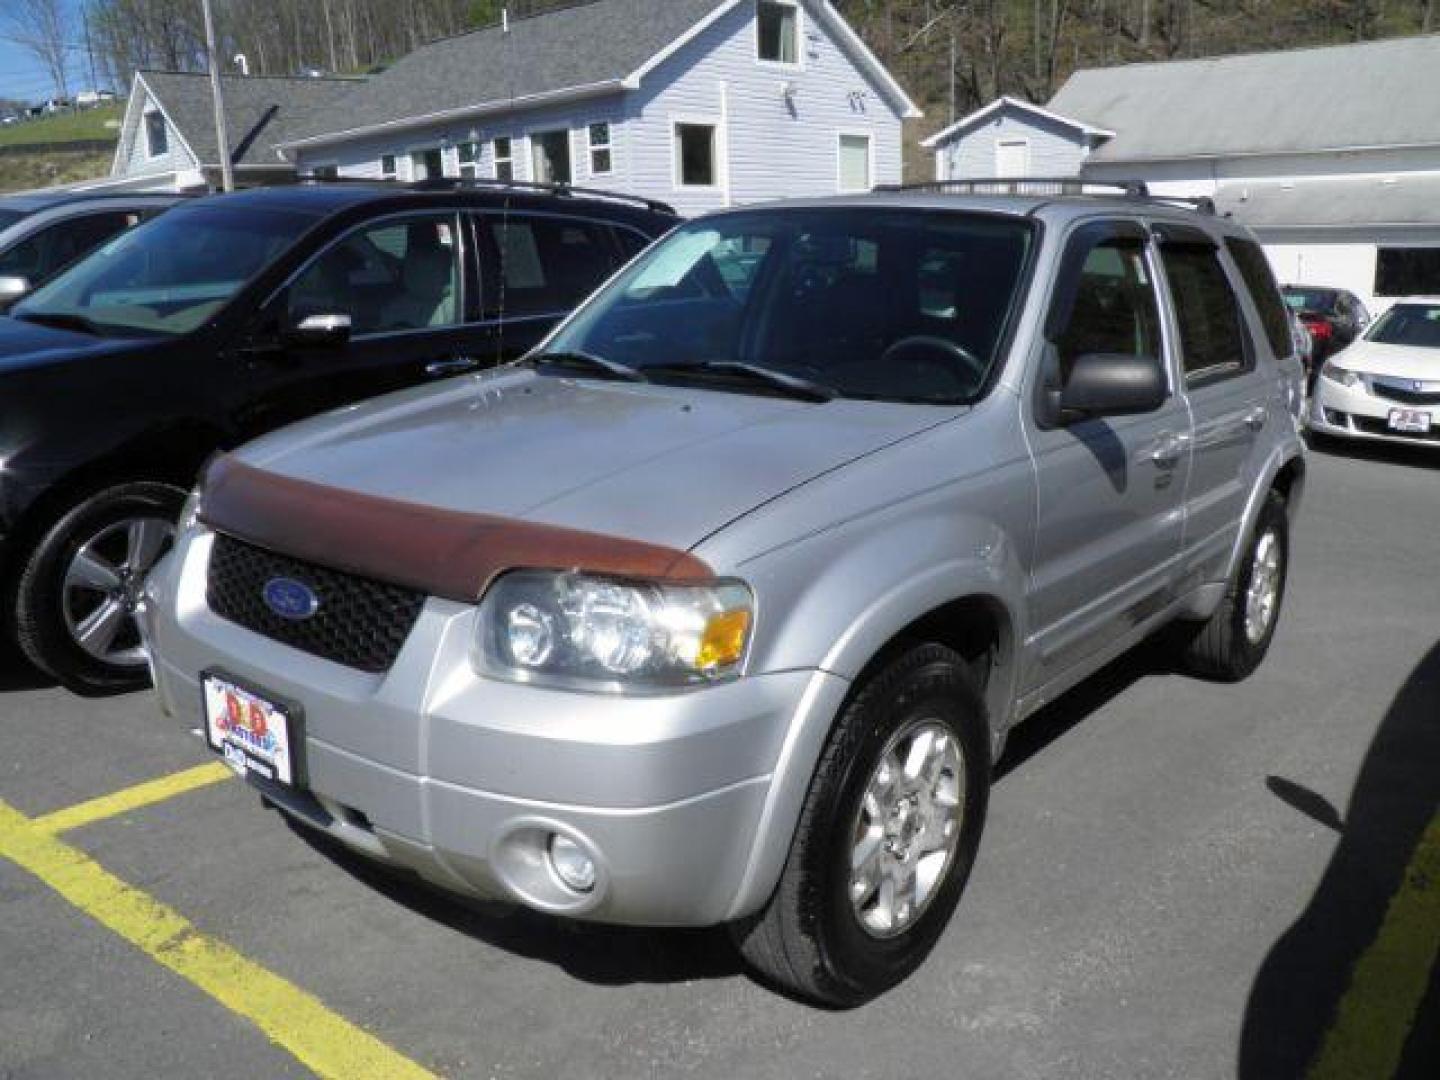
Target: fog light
[(572, 865)]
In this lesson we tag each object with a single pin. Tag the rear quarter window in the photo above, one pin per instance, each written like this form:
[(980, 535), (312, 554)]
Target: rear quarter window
[(1264, 292)]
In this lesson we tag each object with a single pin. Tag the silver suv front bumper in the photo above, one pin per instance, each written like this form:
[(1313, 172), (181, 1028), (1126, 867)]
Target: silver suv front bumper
[(464, 780)]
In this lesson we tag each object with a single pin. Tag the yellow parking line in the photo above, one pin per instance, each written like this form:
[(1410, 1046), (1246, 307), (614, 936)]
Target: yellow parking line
[(147, 794), (1390, 981), (323, 1041)]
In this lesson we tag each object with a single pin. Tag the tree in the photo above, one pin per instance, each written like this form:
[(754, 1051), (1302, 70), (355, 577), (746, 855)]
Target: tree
[(43, 28)]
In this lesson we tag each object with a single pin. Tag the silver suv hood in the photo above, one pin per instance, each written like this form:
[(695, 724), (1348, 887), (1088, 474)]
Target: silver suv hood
[(663, 464)]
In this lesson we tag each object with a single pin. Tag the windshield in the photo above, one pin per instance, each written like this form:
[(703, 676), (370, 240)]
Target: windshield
[(1317, 300), (9, 217), (898, 305), (1408, 324), (167, 277)]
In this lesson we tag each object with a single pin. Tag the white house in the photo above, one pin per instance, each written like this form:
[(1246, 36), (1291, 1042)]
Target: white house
[(167, 136), (699, 103), (1331, 154), (1013, 138)]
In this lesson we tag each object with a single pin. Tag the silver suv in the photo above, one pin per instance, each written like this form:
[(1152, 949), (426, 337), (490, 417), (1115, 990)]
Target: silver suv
[(719, 607)]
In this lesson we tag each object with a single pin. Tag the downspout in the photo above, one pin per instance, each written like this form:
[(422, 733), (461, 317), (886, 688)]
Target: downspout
[(725, 199)]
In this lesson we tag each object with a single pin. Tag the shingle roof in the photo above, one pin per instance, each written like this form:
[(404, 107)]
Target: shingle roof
[(1380, 93), (1339, 202), (591, 43), (260, 110)]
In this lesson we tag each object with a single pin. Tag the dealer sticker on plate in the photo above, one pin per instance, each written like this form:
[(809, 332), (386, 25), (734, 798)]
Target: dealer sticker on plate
[(1410, 421), (254, 734)]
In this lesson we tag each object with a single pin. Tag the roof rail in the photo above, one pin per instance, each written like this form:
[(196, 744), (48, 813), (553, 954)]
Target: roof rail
[(1055, 185), (461, 183), (1025, 185)]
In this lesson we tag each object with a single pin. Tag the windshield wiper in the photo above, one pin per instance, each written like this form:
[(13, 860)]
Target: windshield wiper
[(789, 385), (589, 361), (61, 320)]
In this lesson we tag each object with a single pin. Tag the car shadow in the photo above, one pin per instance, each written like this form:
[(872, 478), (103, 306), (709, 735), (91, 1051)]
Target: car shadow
[(18, 674), (591, 952), (1294, 998)]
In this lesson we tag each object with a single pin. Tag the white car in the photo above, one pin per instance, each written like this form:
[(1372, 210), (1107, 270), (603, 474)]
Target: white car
[(1386, 386)]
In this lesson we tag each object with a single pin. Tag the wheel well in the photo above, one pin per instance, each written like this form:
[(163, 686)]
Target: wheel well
[(174, 457), (1289, 484), (976, 627)]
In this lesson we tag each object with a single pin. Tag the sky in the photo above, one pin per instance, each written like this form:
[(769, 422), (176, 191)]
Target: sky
[(22, 76)]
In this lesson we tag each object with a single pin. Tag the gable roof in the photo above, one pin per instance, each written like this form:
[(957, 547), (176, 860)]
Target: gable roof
[(1012, 104), (1376, 94), (260, 110), (589, 48)]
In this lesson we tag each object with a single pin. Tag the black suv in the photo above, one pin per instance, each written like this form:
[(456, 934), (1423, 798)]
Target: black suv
[(232, 315), (43, 232)]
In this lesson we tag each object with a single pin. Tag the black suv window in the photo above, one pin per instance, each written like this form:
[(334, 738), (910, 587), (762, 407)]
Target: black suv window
[(1115, 310), (1212, 338), (537, 265), (1259, 279), (395, 275), (40, 255)]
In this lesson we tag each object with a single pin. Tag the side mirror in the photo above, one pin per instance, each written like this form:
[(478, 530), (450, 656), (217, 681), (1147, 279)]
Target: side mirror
[(12, 289), (320, 332), (1113, 384)]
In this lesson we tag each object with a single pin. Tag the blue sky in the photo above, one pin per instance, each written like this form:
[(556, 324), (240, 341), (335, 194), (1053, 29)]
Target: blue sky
[(24, 77)]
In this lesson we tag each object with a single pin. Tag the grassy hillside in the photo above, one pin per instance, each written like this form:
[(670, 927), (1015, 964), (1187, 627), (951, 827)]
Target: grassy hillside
[(101, 123), (35, 169)]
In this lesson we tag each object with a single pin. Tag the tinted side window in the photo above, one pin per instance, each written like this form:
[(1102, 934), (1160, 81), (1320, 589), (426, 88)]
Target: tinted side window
[(1115, 309), (546, 266), (393, 276), (1255, 270), (631, 242), (42, 254), (1212, 339)]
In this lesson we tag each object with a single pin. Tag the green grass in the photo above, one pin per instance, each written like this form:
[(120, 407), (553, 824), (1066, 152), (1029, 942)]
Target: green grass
[(65, 127), (21, 172)]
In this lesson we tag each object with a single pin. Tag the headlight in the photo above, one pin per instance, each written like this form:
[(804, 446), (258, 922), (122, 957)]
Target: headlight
[(597, 633), (190, 512), (1344, 376)]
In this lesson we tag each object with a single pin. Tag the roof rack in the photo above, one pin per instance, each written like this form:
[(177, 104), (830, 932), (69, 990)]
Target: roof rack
[(1052, 185), (564, 191)]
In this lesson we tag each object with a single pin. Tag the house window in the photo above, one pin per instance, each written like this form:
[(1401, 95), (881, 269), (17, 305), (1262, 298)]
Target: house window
[(468, 154), (157, 139), (1407, 271), (1012, 158), (551, 151), (426, 164), (695, 164), (387, 166), (855, 163), (602, 161), (778, 31), (504, 159)]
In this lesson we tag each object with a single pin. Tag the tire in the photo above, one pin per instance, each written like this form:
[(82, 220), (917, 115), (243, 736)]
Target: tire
[(60, 587), (1225, 648), (810, 940)]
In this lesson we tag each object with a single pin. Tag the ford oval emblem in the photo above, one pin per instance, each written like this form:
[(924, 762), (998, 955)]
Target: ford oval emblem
[(290, 599)]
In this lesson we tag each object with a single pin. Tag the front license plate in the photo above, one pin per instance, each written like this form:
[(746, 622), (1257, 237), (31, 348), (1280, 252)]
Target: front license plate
[(1410, 421), (255, 734)]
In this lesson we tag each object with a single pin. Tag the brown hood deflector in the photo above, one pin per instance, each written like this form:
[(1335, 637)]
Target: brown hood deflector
[(443, 553)]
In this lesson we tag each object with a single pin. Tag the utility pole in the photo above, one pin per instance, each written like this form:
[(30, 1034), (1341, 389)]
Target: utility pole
[(89, 52), (222, 137)]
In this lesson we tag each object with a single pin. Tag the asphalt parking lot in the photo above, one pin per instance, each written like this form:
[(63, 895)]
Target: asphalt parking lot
[(1178, 879)]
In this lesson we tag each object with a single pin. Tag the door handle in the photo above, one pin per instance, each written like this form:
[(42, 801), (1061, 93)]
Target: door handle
[(1256, 417), (1167, 451), (453, 366)]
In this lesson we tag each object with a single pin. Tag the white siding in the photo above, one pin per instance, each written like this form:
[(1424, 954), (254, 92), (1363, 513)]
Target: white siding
[(778, 147), (136, 160), (972, 153)]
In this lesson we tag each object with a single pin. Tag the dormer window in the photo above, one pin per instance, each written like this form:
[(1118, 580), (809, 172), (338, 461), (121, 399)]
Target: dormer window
[(778, 31), (157, 141)]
